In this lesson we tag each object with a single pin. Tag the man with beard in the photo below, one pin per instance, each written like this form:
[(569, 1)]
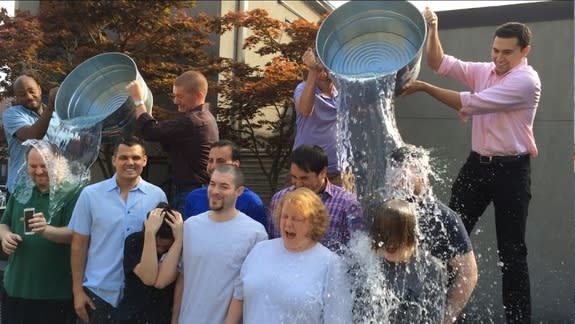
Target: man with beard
[(249, 203), (216, 243), (28, 119)]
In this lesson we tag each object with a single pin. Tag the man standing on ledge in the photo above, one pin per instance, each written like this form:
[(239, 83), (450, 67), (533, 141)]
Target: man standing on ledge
[(503, 100), (186, 137)]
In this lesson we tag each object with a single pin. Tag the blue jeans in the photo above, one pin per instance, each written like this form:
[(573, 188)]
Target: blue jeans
[(506, 183)]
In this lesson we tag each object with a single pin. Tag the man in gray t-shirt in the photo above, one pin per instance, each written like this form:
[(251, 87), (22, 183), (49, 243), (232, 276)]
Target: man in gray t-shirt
[(216, 243)]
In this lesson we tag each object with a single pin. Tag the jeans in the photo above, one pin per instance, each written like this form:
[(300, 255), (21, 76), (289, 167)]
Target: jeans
[(508, 185)]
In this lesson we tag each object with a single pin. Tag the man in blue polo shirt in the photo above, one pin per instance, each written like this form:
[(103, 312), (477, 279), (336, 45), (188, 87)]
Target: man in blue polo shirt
[(249, 203), (105, 214)]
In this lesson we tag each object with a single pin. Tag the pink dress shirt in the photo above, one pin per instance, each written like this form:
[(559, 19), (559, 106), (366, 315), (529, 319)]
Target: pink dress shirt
[(503, 107)]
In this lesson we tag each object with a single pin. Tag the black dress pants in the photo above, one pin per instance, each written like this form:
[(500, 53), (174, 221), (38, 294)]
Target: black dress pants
[(505, 181)]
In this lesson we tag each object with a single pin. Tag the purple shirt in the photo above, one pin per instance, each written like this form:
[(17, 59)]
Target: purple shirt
[(343, 209), (320, 127), (503, 106)]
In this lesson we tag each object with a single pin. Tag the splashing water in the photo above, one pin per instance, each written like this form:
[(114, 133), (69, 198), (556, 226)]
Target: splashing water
[(384, 292), (67, 161), (367, 131)]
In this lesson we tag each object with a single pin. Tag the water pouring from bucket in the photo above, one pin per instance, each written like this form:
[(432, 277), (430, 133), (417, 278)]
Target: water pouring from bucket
[(94, 107), (371, 50)]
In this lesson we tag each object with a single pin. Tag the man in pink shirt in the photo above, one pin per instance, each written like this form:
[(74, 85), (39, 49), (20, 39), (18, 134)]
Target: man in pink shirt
[(502, 101)]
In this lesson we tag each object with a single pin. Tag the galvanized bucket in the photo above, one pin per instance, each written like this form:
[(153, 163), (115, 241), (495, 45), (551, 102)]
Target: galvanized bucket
[(95, 92), (365, 39)]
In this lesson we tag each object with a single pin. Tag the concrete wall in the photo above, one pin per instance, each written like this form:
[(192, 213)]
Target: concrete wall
[(428, 123)]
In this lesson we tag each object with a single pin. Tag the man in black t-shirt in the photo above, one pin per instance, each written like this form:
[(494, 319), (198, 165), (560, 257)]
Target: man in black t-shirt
[(441, 230)]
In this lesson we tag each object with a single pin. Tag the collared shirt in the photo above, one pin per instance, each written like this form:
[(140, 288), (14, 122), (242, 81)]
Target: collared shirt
[(344, 211), (319, 128), (503, 106), (186, 138), (13, 119), (248, 203), (107, 219)]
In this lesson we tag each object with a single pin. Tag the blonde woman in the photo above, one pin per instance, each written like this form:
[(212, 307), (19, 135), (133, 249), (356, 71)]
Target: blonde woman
[(294, 278)]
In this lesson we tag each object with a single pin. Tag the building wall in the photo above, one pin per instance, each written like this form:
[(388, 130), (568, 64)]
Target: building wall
[(423, 121)]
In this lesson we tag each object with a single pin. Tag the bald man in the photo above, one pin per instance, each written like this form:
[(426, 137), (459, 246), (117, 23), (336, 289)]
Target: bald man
[(187, 137), (28, 119)]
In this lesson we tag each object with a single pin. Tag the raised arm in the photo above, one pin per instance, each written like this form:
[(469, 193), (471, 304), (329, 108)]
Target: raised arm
[(433, 48), (167, 271), (463, 284), (40, 127), (305, 102), (147, 269)]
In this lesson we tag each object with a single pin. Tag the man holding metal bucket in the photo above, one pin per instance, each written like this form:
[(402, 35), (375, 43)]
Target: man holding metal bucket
[(503, 101), (186, 138), (28, 119)]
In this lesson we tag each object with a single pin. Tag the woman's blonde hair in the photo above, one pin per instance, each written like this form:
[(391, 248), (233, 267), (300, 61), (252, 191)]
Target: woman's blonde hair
[(310, 206)]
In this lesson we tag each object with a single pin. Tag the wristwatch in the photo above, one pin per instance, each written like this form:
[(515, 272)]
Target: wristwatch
[(138, 103)]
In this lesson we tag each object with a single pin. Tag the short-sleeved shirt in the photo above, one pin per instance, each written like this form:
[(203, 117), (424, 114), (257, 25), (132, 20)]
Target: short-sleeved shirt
[(279, 286), (141, 303), (211, 260), (344, 210), (248, 203), (13, 119), (186, 138), (107, 219), (413, 291), (442, 231), (39, 268), (319, 128)]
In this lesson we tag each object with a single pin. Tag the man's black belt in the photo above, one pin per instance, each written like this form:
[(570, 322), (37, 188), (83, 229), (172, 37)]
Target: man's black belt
[(498, 159)]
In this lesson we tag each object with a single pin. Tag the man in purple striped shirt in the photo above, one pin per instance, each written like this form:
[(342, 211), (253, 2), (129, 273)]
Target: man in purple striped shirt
[(309, 169), (503, 100)]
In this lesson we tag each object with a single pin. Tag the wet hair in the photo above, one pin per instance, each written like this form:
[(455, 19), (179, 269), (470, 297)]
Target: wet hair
[(129, 141), (236, 155), (310, 205), (406, 153), (193, 82), (165, 231), (309, 158), (515, 30), (236, 172), (53, 149), (394, 223)]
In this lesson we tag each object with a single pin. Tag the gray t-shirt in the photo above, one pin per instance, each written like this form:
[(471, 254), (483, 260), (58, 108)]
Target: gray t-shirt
[(278, 286), (212, 256)]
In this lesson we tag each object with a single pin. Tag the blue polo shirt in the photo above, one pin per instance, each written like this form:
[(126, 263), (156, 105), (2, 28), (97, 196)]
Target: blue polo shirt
[(13, 119), (107, 219), (248, 203)]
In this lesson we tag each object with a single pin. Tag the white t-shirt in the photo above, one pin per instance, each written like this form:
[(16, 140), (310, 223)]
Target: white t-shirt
[(278, 286), (212, 256)]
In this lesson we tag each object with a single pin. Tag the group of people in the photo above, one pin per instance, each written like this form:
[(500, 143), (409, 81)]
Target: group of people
[(117, 252)]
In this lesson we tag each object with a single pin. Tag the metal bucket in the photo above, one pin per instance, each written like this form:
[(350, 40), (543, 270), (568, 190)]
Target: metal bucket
[(371, 49), (95, 92), (364, 39)]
